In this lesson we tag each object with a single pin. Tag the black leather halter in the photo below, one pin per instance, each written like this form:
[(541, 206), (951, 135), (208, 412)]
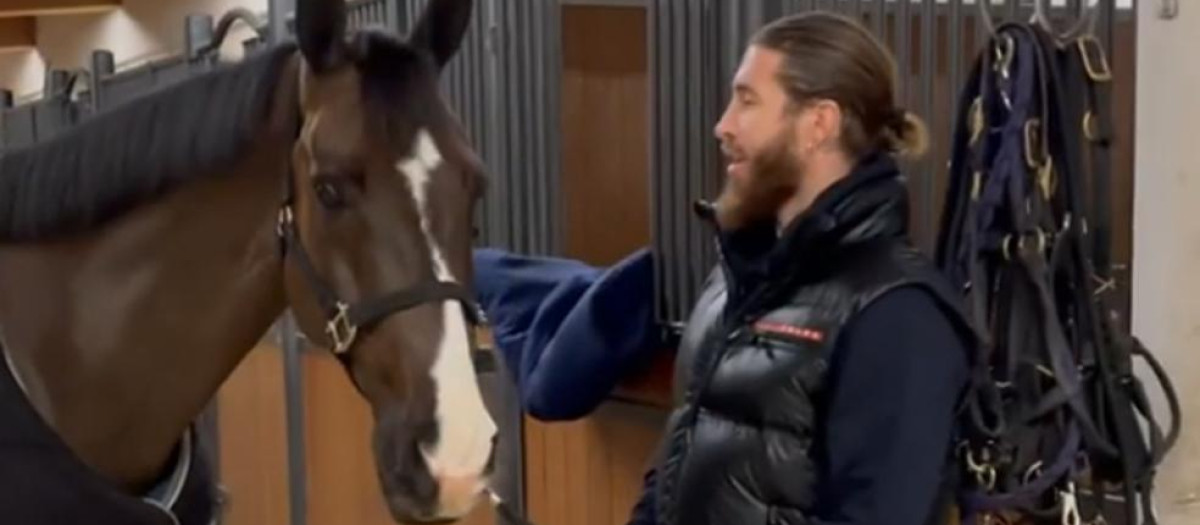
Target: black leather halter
[(345, 320)]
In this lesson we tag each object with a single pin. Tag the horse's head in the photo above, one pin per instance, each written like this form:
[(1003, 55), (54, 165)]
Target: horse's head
[(383, 190)]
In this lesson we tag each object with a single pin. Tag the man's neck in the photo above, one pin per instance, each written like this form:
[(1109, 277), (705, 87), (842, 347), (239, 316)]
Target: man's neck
[(823, 172)]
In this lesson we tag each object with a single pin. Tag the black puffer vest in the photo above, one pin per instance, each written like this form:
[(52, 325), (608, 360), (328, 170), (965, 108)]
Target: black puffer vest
[(752, 361)]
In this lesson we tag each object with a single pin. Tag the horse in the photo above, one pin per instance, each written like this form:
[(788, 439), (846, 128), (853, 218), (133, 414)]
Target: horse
[(144, 253)]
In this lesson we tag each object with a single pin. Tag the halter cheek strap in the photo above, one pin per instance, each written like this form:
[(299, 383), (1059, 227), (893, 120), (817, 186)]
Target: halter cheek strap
[(343, 320)]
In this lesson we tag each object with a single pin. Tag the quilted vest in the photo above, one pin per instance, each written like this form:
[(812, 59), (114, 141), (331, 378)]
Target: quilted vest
[(752, 361)]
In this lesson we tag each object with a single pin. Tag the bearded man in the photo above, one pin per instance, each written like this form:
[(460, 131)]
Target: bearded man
[(819, 373)]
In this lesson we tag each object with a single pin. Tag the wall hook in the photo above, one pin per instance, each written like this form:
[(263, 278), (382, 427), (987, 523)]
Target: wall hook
[(1168, 9)]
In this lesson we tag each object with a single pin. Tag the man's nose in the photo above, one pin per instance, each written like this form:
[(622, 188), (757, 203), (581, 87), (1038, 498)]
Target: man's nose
[(724, 128)]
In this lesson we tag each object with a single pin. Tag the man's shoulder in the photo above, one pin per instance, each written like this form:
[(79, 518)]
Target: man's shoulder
[(894, 275), (901, 325)]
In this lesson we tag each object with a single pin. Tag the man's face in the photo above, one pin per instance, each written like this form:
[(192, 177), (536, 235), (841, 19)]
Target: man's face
[(759, 138)]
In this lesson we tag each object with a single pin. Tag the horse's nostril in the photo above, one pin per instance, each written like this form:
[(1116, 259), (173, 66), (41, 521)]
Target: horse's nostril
[(416, 483)]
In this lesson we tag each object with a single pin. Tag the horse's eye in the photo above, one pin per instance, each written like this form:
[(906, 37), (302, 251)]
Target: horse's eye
[(330, 193)]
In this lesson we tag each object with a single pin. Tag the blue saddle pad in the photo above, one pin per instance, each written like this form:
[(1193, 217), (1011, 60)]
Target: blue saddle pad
[(568, 332)]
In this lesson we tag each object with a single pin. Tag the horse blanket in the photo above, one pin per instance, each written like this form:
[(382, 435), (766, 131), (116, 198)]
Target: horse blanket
[(568, 331), (42, 482)]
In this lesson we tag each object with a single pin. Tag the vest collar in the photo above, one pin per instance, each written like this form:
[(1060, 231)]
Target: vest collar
[(870, 203)]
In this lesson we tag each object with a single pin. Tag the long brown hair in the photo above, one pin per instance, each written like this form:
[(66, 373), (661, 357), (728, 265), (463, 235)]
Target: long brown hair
[(833, 57)]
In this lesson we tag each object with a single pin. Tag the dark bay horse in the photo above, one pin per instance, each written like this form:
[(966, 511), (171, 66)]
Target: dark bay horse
[(144, 253)]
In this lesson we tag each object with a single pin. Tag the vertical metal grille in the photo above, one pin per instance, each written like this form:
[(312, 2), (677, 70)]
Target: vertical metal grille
[(522, 207)]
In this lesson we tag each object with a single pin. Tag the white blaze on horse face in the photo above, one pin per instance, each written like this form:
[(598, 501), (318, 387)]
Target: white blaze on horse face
[(465, 427)]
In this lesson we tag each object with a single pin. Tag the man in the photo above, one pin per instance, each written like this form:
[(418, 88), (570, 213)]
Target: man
[(819, 373)]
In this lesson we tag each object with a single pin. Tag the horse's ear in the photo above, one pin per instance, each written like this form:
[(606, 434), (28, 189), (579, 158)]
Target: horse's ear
[(321, 32), (441, 28)]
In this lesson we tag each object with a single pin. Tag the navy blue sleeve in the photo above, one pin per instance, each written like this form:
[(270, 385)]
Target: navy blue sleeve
[(895, 378)]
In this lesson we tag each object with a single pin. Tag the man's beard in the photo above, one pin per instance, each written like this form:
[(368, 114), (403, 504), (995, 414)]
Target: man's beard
[(773, 178)]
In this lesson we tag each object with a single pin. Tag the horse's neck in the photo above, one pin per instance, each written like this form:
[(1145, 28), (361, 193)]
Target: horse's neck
[(122, 337)]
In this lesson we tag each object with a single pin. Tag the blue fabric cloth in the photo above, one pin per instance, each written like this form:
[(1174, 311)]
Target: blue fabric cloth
[(569, 332)]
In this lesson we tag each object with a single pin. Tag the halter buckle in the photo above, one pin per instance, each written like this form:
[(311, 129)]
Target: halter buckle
[(286, 218), (341, 330)]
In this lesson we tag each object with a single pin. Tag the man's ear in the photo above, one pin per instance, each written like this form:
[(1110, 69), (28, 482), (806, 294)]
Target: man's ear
[(825, 123)]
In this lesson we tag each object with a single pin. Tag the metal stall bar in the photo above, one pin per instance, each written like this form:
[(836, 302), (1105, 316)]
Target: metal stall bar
[(660, 164), (513, 197), (551, 50), (689, 115), (493, 227), (673, 63), (293, 386), (955, 38), (879, 18), (929, 73), (904, 48)]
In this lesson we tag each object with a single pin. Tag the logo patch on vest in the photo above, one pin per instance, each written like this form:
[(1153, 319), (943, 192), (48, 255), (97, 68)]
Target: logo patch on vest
[(787, 330)]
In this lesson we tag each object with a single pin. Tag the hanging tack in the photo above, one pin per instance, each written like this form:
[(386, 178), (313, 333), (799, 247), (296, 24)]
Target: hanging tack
[(1168, 9)]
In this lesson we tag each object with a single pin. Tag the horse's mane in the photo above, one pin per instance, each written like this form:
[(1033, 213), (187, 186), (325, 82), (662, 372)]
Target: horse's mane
[(122, 157)]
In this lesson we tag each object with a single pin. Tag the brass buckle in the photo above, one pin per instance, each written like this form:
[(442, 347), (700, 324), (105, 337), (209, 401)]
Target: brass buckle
[(984, 471), (1033, 128), (1097, 71), (1046, 179), (977, 120), (340, 330), (1091, 127), (286, 218), (1005, 50)]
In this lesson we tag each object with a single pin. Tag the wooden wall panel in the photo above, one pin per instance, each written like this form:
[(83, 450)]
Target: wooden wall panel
[(253, 437), (605, 126), (589, 472)]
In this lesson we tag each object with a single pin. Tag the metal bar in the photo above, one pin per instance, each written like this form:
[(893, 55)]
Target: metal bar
[(535, 67), (695, 132), (929, 72), (903, 28), (279, 11), (711, 160), (493, 144), (293, 398), (679, 128), (955, 27), (880, 19), (529, 167), (513, 124), (660, 205), (1107, 22), (553, 139), (103, 65)]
